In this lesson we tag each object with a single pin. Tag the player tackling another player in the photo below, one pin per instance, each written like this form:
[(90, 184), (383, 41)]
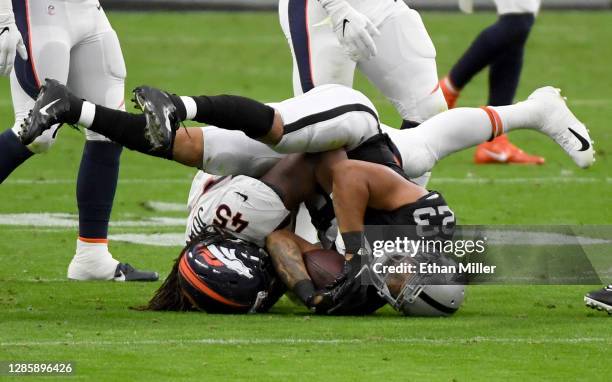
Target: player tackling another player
[(316, 121)]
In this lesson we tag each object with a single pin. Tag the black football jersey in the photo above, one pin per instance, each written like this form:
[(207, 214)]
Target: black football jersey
[(430, 214)]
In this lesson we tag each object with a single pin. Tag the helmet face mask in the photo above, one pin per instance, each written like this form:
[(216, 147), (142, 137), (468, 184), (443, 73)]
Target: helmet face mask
[(416, 294)]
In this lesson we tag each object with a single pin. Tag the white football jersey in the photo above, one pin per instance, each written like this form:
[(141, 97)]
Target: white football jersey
[(517, 6), (377, 10), (245, 206)]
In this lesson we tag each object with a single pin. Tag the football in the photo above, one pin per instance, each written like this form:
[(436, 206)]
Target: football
[(323, 266)]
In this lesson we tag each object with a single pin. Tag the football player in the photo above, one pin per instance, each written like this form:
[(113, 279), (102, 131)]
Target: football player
[(73, 42), (501, 47), (385, 39), (252, 209), (417, 294)]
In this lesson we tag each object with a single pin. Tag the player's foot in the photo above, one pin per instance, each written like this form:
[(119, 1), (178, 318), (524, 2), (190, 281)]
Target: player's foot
[(85, 271), (559, 123), (450, 93), (501, 150), (52, 104), (93, 261), (126, 272), (161, 115), (600, 299)]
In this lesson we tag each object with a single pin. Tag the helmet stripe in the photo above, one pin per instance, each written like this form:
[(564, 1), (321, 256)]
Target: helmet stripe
[(197, 283)]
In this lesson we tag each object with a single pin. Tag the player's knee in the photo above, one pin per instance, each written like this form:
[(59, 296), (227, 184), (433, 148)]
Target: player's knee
[(419, 162), (431, 105)]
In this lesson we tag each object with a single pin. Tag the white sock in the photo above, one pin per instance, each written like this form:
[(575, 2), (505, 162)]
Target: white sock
[(88, 112), (190, 107), (92, 261), (454, 130), (522, 115), (450, 86)]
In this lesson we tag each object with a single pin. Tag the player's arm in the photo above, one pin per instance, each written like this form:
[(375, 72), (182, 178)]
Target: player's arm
[(11, 41), (357, 185), (354, 30), (285, 249)]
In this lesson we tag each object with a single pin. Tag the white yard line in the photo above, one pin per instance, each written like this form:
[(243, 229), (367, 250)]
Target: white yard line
[(314, 341)]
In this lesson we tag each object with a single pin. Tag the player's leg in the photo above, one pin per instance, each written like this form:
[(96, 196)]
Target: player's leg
[(97, 73), (226, 152), (504, 75), (325, 118), (457, 129), (318, 57), (404, 69), (48, 51)]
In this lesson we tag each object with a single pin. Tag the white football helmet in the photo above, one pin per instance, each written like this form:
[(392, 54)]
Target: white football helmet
[(420, 294)]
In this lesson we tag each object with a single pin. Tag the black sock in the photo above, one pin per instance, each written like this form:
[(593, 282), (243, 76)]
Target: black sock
[(509, 31), (180, 106), (235, 113), (126, 129), (96, 185), (74, 113), (12, 153)]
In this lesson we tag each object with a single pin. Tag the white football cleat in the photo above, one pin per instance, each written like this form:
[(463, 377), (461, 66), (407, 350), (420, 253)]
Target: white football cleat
[(563, 127)]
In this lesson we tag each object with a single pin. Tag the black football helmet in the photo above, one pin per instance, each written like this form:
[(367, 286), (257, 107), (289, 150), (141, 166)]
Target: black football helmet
[(219, 273)]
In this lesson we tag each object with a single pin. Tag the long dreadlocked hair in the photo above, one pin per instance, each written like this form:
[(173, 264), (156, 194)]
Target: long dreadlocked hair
[(170, 296)]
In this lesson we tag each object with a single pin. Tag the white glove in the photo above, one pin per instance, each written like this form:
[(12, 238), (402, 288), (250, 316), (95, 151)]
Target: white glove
[(466, 6), (10, 42), (354, 30)]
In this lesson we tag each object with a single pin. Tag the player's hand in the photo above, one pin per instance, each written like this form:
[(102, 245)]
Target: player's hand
[(466, 6), (354, 30), (11, 43)]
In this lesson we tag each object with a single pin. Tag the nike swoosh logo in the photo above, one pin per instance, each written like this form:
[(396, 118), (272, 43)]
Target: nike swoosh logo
[(43, 111), (99, 6), (583, 141), (245, 197), (500, 157), (5, 29), (344, 22)]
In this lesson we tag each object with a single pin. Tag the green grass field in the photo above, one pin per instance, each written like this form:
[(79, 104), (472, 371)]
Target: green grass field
[(501, 333)]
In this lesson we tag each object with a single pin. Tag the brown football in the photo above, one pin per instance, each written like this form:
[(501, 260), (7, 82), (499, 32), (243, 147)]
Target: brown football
[(323, 266)]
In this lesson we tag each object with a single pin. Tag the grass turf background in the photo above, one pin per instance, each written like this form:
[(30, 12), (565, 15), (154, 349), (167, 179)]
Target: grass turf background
[(532, 333)]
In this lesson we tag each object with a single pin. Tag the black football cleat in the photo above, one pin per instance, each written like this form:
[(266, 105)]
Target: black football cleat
[(600, 299), (161, 115), (52, 103), (126, 272)]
